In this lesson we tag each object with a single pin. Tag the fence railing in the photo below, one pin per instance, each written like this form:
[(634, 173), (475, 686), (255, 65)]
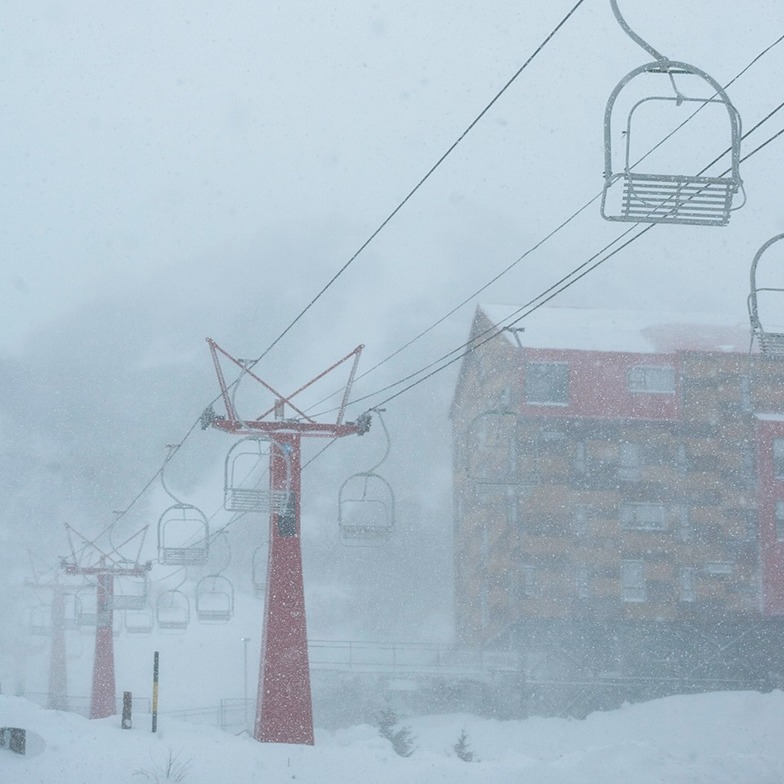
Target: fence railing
[(424, 658)]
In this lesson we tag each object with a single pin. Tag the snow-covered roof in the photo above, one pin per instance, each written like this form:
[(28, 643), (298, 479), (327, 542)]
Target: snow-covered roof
[(590, 329)]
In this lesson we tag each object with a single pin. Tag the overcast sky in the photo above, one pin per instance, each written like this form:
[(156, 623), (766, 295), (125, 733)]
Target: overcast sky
[(141, 139), (177, 170)]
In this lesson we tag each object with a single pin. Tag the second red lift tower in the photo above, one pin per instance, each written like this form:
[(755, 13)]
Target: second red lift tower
[(284, 712)]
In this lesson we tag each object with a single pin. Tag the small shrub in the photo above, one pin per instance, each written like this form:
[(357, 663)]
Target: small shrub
[(171, 769), (462, 749), (402, 739)]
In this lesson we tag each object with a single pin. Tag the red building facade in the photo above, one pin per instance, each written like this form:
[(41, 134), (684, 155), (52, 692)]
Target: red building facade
[(619, 491)]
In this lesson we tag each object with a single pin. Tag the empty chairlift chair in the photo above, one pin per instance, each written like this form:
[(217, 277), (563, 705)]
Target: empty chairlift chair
[(173, 611), (130, 593), (86, 608), (71, 611), (259, 571), (214, 599), (141, 621), (247, 477), (661, 145), (766, 299), (366, 503), (183, 536), (366, 509), (40, 620)]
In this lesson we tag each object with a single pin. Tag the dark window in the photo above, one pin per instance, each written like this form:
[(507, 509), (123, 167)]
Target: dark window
[(629, 461), (778, 457), (780, 520), (688, 584), (547, 383), (633, 581), (644, 516), (651, 378)]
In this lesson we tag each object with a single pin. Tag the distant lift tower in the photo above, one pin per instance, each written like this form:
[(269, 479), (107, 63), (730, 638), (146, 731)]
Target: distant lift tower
[(284, 712), (63, 601), (107, 567)]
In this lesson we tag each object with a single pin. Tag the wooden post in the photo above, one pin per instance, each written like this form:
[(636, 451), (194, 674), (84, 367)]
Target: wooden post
[(126, 711)]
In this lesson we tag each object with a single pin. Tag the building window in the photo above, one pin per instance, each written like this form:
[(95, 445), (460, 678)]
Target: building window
[(778, 458), (644, 517), (745, 393), (628, 461), (525, 586), (685, 528), (658, 379), (547, 383), (580, 461), (580, 518), (780, 521), (633, 581), (513, 516), (583, 581), (682, 459), (688, 584), (719, 568)]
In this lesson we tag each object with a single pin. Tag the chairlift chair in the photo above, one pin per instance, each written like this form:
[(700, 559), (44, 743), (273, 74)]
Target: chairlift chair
[(214, 599), (366, 509), (130, 592), (657, 194), (72, 611), (86, 604), (658, 191), (767, 297), (247, 476), (140, 621), (183, 536), (173, 610), (40, 620), (259, 571)]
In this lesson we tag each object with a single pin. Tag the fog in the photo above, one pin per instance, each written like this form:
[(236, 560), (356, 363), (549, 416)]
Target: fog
[(175, 172)]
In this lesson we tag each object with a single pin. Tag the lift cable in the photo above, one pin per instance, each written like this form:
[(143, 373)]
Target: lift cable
[(421, 182), (521, 313), (563, 224), (557, 288), (378, 230), (554, 231)]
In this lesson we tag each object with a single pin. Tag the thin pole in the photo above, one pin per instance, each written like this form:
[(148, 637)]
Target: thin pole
[(245, 641), (155, 692)]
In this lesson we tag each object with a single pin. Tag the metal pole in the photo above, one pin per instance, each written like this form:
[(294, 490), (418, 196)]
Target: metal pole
[(245, 641), (155, 692)]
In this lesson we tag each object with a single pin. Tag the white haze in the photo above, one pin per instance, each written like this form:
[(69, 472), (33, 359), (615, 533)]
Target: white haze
[(176, 171)]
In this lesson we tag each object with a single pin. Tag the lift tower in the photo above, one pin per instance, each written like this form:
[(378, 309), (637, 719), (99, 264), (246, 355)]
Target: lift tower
[(55, 626), (108, 567), (284, 712)]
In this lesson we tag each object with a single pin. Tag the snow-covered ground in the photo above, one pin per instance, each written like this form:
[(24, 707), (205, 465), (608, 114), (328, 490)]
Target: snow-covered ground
[(719, 738)]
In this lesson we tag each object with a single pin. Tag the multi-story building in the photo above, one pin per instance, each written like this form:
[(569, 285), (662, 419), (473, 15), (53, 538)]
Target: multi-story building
[(619, 501)]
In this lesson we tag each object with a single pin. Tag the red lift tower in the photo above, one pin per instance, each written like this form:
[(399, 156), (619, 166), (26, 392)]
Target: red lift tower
[(107, 567), (284, 712), (57, 696)]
